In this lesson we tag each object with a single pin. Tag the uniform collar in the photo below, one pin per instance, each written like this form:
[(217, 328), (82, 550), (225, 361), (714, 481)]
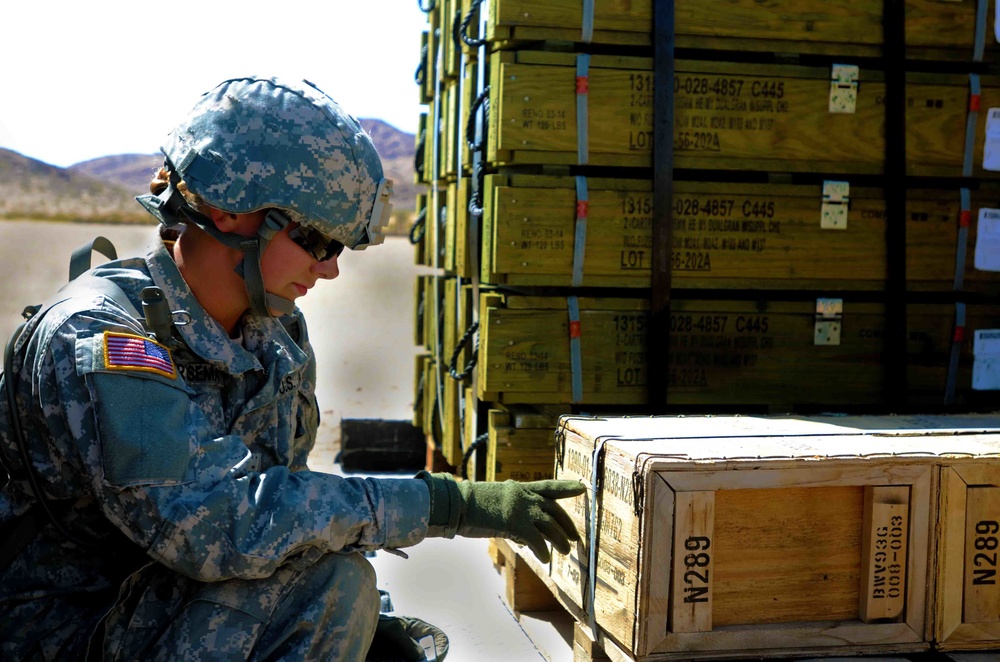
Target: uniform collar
[(202, 334)]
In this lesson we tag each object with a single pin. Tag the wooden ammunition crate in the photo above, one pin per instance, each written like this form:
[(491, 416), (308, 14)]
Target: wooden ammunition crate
[(433, 43), (471, 89), (721, 352), (967, 604), (420, 335), (418, 235), (933, 29), (424, 71), (426, 398), (450, 130), (721, 537), (521, 445), (456, 354), (429, 308), (456, 259), (421, 171), (419, 384), (724, 235), (436, 230), (726, 116), (458, 205), (450, 52)]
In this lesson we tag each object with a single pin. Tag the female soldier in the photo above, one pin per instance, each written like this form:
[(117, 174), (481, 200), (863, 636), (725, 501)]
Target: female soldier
[(159, 505)]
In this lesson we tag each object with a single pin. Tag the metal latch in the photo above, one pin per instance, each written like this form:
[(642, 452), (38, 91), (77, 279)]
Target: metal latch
[(829, 313), (844, 88), (836, 200)]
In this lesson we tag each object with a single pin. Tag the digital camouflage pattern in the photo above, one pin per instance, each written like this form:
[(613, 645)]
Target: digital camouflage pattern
[(254, 143), (197, 484)]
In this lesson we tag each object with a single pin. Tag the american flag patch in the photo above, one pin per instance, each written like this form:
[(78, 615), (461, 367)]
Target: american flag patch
[(123, 351)]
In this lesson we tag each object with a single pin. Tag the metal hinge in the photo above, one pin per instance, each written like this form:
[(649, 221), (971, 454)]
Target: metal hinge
[(844, 88), (829, 313), (836, 201)]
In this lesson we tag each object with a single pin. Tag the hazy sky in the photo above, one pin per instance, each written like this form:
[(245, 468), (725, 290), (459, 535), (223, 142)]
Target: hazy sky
[(87, 79)]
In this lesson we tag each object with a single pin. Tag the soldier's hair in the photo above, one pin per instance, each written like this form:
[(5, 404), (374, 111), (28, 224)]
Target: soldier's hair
[(159, 184)]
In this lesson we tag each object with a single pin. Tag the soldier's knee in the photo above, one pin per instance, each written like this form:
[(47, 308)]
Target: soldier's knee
[(349, 581)]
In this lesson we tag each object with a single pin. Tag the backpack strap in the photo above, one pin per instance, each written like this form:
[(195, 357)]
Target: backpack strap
[(79, 261)]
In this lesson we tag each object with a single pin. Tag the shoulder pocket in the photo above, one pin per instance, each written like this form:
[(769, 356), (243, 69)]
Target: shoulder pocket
[(143, 419)]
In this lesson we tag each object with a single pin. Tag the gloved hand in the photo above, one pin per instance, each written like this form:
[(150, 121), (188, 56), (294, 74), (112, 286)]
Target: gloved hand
[(392, 642), (401, 639), (526, 513)]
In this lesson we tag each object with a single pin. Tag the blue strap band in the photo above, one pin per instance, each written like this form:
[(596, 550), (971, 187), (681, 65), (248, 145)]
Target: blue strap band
[(982, 10), (962, 247), (582, 114), (580, 241), (956, 352), (970, 124), (588, 21), (575, 358)]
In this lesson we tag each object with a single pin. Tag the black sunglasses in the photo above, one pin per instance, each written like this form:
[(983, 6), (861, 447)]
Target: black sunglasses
[(315, 243)]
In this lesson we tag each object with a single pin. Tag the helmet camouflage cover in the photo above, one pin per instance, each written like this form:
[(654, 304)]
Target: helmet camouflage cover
[(256, 143)]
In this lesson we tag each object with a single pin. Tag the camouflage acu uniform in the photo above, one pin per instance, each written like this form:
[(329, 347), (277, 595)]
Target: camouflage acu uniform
[(218, 542)]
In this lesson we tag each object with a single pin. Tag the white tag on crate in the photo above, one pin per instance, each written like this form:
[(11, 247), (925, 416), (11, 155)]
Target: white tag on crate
[(844, 88), (988, 240), (991, 144), (836, 198), (986, 368)]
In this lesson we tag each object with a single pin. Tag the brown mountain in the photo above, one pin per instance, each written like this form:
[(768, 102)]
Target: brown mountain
[(130, 171), (32, 189), (103, 189)]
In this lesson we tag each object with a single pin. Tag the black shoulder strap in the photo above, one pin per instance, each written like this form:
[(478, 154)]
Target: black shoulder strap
[(79, 261), (28, 524)]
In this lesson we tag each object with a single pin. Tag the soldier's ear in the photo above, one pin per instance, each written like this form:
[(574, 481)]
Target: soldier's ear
[(224, 221)]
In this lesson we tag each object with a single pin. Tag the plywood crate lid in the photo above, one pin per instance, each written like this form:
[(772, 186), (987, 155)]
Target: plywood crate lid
[(798, 438)]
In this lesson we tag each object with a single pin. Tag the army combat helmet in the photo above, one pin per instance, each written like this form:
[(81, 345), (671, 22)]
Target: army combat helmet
[(266, 143)]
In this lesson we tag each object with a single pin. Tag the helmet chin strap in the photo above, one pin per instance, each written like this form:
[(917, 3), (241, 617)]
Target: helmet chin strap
[(171, 209), (262, 302)]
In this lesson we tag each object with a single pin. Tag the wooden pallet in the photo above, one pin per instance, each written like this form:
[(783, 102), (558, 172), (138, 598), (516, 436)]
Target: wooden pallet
[(529, 590)]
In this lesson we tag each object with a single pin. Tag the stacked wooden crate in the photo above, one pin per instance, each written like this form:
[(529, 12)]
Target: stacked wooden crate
[(812, 269), (782, 272)]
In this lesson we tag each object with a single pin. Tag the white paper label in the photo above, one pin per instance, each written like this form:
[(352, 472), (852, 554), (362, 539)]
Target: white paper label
[(986, 368), (988, 240), (991, 144)]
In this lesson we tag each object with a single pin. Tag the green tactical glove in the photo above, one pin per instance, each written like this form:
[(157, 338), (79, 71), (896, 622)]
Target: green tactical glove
[(526, 513), (392, 643)]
